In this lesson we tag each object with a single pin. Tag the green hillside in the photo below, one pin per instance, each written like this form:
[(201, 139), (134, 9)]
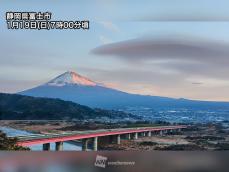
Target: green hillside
[(18, 107)]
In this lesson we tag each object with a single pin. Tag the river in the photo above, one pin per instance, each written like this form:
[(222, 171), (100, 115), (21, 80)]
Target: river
[(15, 132)]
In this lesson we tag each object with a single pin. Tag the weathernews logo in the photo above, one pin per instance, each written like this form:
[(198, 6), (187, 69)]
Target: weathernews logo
[(100, 161)]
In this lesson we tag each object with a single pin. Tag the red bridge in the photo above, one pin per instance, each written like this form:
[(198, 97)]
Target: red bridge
[(94, 136)]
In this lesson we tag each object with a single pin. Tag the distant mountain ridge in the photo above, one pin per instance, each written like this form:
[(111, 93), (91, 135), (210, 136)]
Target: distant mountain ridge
[(18, 107), (71, 86)]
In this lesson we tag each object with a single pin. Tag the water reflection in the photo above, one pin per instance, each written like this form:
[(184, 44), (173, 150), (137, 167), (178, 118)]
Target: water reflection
[(14, 132)]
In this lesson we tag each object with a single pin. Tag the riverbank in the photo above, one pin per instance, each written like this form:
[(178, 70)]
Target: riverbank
[(39, 127), (197, 138)]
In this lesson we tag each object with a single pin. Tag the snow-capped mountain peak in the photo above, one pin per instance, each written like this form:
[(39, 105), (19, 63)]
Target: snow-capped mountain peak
[(71, 77)]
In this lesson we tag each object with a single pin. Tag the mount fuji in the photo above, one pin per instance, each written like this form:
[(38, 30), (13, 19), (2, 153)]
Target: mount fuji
[(73, 87)]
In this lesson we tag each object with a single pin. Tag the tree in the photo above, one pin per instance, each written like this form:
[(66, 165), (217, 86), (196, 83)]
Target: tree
[(7, 143)]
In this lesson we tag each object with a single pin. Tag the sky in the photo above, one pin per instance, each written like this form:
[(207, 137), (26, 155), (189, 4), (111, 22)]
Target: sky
[(176, 48)]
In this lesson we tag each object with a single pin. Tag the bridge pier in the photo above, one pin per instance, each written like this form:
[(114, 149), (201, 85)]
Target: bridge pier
[(118, 139), (171, 131), (135, 136), (149, 134), (128, 136), (161, 133), (46, 147), (59, 146), (85, 144), (95, 143)]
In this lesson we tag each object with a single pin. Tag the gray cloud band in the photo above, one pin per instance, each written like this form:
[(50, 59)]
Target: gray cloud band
[(182, 18), (167, 49), (189, 55)]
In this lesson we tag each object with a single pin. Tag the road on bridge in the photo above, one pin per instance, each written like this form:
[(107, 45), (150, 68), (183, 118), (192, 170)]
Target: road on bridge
[(60, 138)]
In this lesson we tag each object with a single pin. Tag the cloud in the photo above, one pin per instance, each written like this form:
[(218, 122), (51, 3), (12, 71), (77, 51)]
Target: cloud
[(104, 39), (146, 81), (183, 17), (191, 55), (110, 26), (210, 82), (167, 48), (172, 60), (197, 83)]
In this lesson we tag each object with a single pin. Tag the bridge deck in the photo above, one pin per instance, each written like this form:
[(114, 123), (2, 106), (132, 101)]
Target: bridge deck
[(50, 138)]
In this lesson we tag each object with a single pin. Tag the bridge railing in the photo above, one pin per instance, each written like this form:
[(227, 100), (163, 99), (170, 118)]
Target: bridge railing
[(87, 132)]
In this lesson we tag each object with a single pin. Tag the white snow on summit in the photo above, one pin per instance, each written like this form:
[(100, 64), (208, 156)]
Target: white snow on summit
[(71, 78)]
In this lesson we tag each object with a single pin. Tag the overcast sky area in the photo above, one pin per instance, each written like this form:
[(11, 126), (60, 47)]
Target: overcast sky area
[(172, 48)]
